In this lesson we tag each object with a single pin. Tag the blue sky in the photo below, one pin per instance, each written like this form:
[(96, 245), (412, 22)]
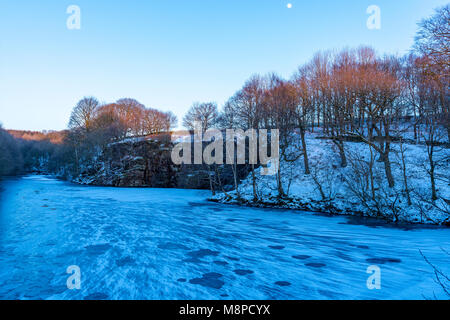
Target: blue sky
[(169, 54)]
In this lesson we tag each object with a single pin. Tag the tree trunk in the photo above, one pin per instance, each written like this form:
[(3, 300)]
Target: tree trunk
[(255, 195), (340, 144), (432, 167), (405, 177), (211, 184), (219, 180), (236, 184), (281, 193), (372, 183), (213, 192), (305, 152), (433, 184), (77, 161), (342, 154), (387, 169)]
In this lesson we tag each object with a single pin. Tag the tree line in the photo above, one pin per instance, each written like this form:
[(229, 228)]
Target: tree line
[(32, 151), (351, 95), (11, 161), (92, 126)]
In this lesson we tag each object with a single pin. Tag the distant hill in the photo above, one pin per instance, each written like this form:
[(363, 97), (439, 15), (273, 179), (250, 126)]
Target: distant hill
[(55, 137)]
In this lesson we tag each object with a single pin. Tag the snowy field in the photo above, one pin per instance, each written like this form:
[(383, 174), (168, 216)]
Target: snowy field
[(172, 244)]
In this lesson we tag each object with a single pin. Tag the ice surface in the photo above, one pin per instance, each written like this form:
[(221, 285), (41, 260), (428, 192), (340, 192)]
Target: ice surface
[(172, 244)]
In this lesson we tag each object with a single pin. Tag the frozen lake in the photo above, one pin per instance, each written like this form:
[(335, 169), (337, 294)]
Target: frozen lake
[(172, 244)]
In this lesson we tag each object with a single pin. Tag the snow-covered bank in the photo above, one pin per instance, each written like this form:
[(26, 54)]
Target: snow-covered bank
[(336, 190)]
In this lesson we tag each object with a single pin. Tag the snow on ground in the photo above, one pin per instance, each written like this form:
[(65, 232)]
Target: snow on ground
[(325, 165), (172, 244)]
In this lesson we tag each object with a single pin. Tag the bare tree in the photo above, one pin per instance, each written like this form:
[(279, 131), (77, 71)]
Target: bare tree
[(405, 170), (341, 97), (281, 101), (204, 113), (228, 120), (83, 114), (382, 107), (304, 112), (155, 121), (434, 137), (433, 39), (132, 113), (108, 126), (433, 43), (247, 106)]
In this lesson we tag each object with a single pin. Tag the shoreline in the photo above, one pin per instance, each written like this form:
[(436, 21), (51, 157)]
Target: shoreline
[(292, 204), (296, 204)]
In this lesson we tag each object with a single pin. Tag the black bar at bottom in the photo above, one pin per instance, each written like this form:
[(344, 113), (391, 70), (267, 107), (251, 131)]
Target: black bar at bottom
[(233, 309)]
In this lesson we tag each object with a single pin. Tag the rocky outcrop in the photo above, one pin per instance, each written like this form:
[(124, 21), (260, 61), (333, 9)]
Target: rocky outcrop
[(148, 163), (132, 164)]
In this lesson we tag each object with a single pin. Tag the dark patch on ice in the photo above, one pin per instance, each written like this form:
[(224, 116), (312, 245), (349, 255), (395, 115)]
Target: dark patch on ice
[(172, 246), (315, 265), (69, 254), (328, 294), (243, 272), (109, 229), (375, 223), (50, 243), (193, 260), (232, 220), (97, 248), (383, 260), (233, 258), (363, 247), (181, 280), (201, 204), (216, 240), (209, 280), (301, 257), (203, 253), (224, 295), (277, 247), (44, 206), (221, 263), (283, 283), (96, 296), (343, 256), (125, 262)]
